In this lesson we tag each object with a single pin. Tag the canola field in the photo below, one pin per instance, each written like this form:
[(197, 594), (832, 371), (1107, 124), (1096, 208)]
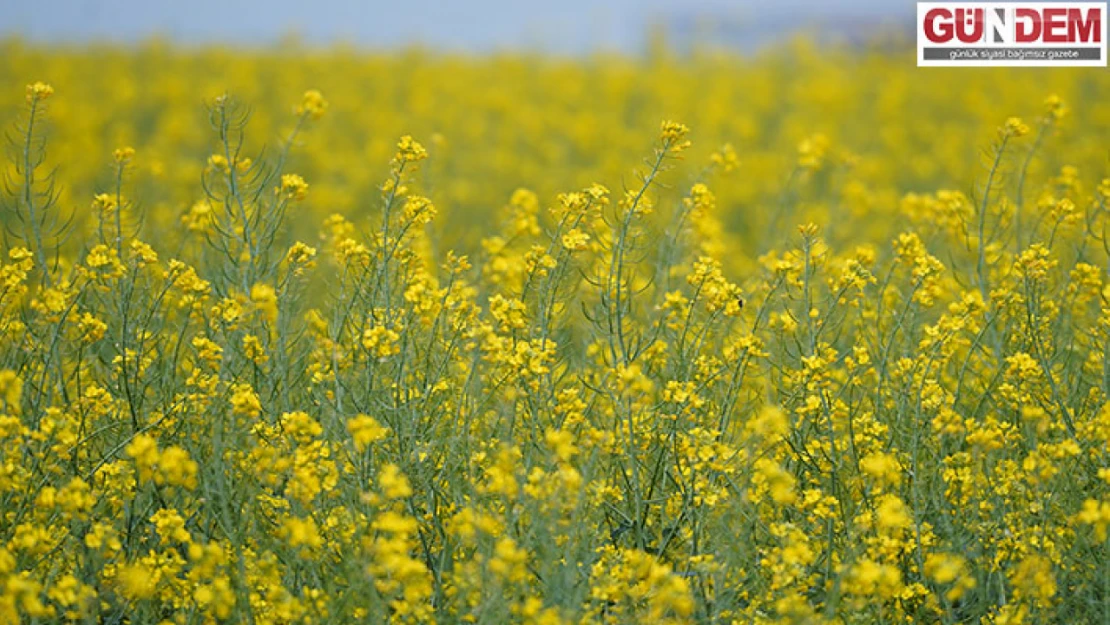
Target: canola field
[(335, 336)]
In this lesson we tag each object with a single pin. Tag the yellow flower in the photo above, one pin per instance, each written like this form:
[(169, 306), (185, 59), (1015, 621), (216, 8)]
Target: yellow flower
[(1033, 579), (883, 468), (293, 187), (254, 350), (123, 155), (218, 162), (409, 151), (1096, 514), (300, 255), (777, 482), (891, 514), (393, 483), (217, 597), (265, 300), (76, 498), (575, 240), (869, 578), (104, 203), (312, 104), (509, 313), (302, 533), (171, 526), (381, 341), (137, 581), (813, 152), (509, 561), (11, 390), (176, 468), (39, 91), (1013, 127), (945, 569), (365, 431), (672, 134), (301, 427), (419, 210), (561, 442), (144, 450), (244, 401), (1054, 108)]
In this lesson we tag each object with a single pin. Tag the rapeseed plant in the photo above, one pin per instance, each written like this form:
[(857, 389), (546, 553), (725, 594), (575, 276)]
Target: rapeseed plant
[(809, 362)]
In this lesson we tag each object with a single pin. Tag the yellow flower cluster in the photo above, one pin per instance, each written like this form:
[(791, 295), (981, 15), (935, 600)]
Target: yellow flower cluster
[(783, 373)]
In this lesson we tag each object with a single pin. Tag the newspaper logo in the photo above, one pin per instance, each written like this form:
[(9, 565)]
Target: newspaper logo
[(1039, 34)]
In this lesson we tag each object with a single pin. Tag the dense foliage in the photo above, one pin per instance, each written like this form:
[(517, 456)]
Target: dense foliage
[(480, 340)]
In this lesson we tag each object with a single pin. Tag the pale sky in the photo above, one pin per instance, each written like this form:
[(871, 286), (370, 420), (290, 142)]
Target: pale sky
[(567, 26)]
